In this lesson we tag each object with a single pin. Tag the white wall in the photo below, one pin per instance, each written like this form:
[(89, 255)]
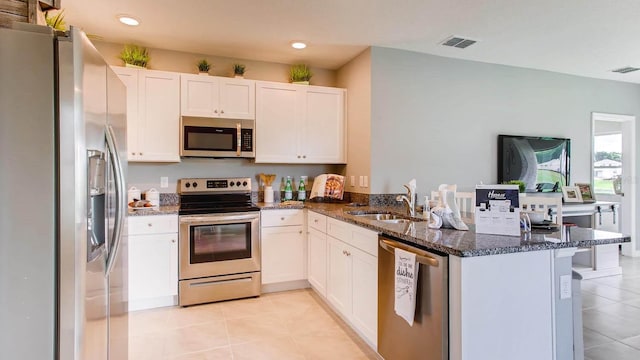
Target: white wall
[(356, 77), (437, 119), (169, 60)]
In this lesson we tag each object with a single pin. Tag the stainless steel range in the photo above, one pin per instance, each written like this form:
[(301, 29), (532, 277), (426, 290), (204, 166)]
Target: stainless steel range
[(219, 241)]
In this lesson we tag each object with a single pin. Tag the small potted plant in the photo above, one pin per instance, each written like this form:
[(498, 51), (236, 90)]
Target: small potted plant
[(521, 185), (56, 21), (300, 74), (135, 56), (203, 67), (238, 71)]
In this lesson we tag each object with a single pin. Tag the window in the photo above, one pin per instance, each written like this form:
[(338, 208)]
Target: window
[(607, 162)]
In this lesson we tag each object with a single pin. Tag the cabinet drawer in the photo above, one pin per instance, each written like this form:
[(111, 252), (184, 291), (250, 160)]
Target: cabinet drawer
[(156, 224), (361, 238), (317, 221), (282, 217)]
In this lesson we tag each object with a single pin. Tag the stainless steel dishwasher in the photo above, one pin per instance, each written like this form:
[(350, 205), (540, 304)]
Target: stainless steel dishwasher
[(428, 338)]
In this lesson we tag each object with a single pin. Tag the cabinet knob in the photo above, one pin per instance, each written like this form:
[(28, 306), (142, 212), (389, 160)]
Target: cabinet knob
[(215, 111), (140, 154), (282, 218), (298, 156), (300, 231), (173, 240), (133, 153), (304, 156), (149, 224), (348, 253), (221, 111), (315, 221)]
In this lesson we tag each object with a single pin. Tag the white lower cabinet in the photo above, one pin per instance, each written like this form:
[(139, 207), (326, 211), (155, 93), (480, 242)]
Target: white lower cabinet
[(352, 276), (153, 261), (317, 259), (283, 246)]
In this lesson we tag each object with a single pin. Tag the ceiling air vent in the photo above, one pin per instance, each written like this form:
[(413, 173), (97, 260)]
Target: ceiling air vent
[(626, 69), (456, 41)]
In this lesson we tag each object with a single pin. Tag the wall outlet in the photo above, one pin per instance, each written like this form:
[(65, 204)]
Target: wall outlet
[(361, 181), (366, 181), (353, 180), (565, 287), (164, 181)]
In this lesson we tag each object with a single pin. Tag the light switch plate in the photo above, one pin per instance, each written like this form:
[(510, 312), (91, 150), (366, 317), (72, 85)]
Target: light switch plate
[(353, 180), (164, 181)]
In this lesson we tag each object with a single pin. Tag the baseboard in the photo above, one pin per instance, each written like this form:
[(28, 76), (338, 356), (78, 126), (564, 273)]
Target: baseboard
[(151, 303), (285, 286)]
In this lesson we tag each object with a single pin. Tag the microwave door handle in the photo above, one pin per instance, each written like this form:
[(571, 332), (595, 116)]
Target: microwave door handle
[(239, 139)]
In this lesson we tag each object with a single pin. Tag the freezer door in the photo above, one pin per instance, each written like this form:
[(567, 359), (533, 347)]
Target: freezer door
[(28, 193)]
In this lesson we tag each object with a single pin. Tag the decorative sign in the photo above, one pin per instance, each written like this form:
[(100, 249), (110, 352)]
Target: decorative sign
[(497, 210)]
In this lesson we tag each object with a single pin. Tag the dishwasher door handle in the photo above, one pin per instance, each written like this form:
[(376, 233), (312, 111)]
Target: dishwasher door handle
[(422, 257)]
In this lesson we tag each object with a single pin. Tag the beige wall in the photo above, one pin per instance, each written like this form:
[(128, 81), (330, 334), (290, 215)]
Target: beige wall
[(169, 60), (356, 77)]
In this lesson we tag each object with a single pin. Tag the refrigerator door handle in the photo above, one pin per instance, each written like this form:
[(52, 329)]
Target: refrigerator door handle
[(120, 198)]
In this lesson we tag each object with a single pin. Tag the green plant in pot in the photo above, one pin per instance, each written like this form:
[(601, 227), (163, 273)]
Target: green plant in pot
[(300, 74), (238, 70), (204, 66), (135, 56), (521, 184), (56, 21)]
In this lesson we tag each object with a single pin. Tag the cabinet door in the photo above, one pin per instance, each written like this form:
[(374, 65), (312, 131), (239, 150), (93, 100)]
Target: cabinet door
[(323, 134), (237, 99), (153, 269), (277, 114), (365, 294), (129, 77), (318, 261), (199, 95), (159, 115), (339, 276), (283, 254)]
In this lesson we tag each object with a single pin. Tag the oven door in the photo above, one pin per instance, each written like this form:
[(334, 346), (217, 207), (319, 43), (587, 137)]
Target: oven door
[(219, 244)]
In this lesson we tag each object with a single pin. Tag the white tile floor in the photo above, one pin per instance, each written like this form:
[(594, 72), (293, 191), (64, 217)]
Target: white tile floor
[(287, 325), (298, 325), (611, 314)]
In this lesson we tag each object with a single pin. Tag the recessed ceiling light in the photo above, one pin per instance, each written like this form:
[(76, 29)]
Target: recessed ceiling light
[(128, 20), (298, 45)]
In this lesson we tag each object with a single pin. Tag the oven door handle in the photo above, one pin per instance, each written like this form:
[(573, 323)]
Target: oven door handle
[(221, 219), (239, 139)]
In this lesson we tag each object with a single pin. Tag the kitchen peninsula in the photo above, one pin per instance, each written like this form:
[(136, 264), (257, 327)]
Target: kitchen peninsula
[(509, 297)]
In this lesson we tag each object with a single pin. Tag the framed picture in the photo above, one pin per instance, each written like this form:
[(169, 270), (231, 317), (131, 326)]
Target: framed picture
[(585, 192), (571, 194)]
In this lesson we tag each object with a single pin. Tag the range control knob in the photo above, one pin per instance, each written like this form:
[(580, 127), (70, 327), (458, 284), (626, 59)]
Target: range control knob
[(195, 184), (187, 185), (231, 183), (244, 183)]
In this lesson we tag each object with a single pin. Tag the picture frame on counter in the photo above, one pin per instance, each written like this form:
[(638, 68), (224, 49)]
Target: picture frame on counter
[(571, 194), (586, 192)]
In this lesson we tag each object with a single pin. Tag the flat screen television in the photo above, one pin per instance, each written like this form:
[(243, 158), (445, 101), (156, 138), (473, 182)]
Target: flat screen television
[(542, 163)]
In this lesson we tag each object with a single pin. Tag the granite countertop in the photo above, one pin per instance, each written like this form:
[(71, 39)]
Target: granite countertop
[(469, 243), (447, 241), (162, 210)]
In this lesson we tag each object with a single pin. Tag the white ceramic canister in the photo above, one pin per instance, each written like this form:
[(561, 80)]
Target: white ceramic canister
[(153, 196), (268, 194), (133, 194)]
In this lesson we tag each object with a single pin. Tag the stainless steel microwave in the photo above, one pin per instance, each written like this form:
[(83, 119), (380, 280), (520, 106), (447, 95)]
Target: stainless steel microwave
[(217, 138)]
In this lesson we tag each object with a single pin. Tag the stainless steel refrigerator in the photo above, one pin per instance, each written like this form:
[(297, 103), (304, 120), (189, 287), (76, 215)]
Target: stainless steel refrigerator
[(63, 236)]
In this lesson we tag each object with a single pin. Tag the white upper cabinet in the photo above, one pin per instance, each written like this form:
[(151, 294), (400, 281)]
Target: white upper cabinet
[(213, 96), (153, 114), (299, 124)]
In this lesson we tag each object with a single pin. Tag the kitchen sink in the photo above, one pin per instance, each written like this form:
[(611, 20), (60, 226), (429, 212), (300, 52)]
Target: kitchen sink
[(384, 217)]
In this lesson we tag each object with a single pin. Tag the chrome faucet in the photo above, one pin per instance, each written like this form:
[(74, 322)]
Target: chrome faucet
[(410, 198)]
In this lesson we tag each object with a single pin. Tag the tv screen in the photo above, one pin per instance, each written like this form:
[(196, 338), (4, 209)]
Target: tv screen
[(542, 163)]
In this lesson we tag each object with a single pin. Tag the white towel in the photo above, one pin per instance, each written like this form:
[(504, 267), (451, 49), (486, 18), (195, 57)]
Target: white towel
[(405, 285)]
